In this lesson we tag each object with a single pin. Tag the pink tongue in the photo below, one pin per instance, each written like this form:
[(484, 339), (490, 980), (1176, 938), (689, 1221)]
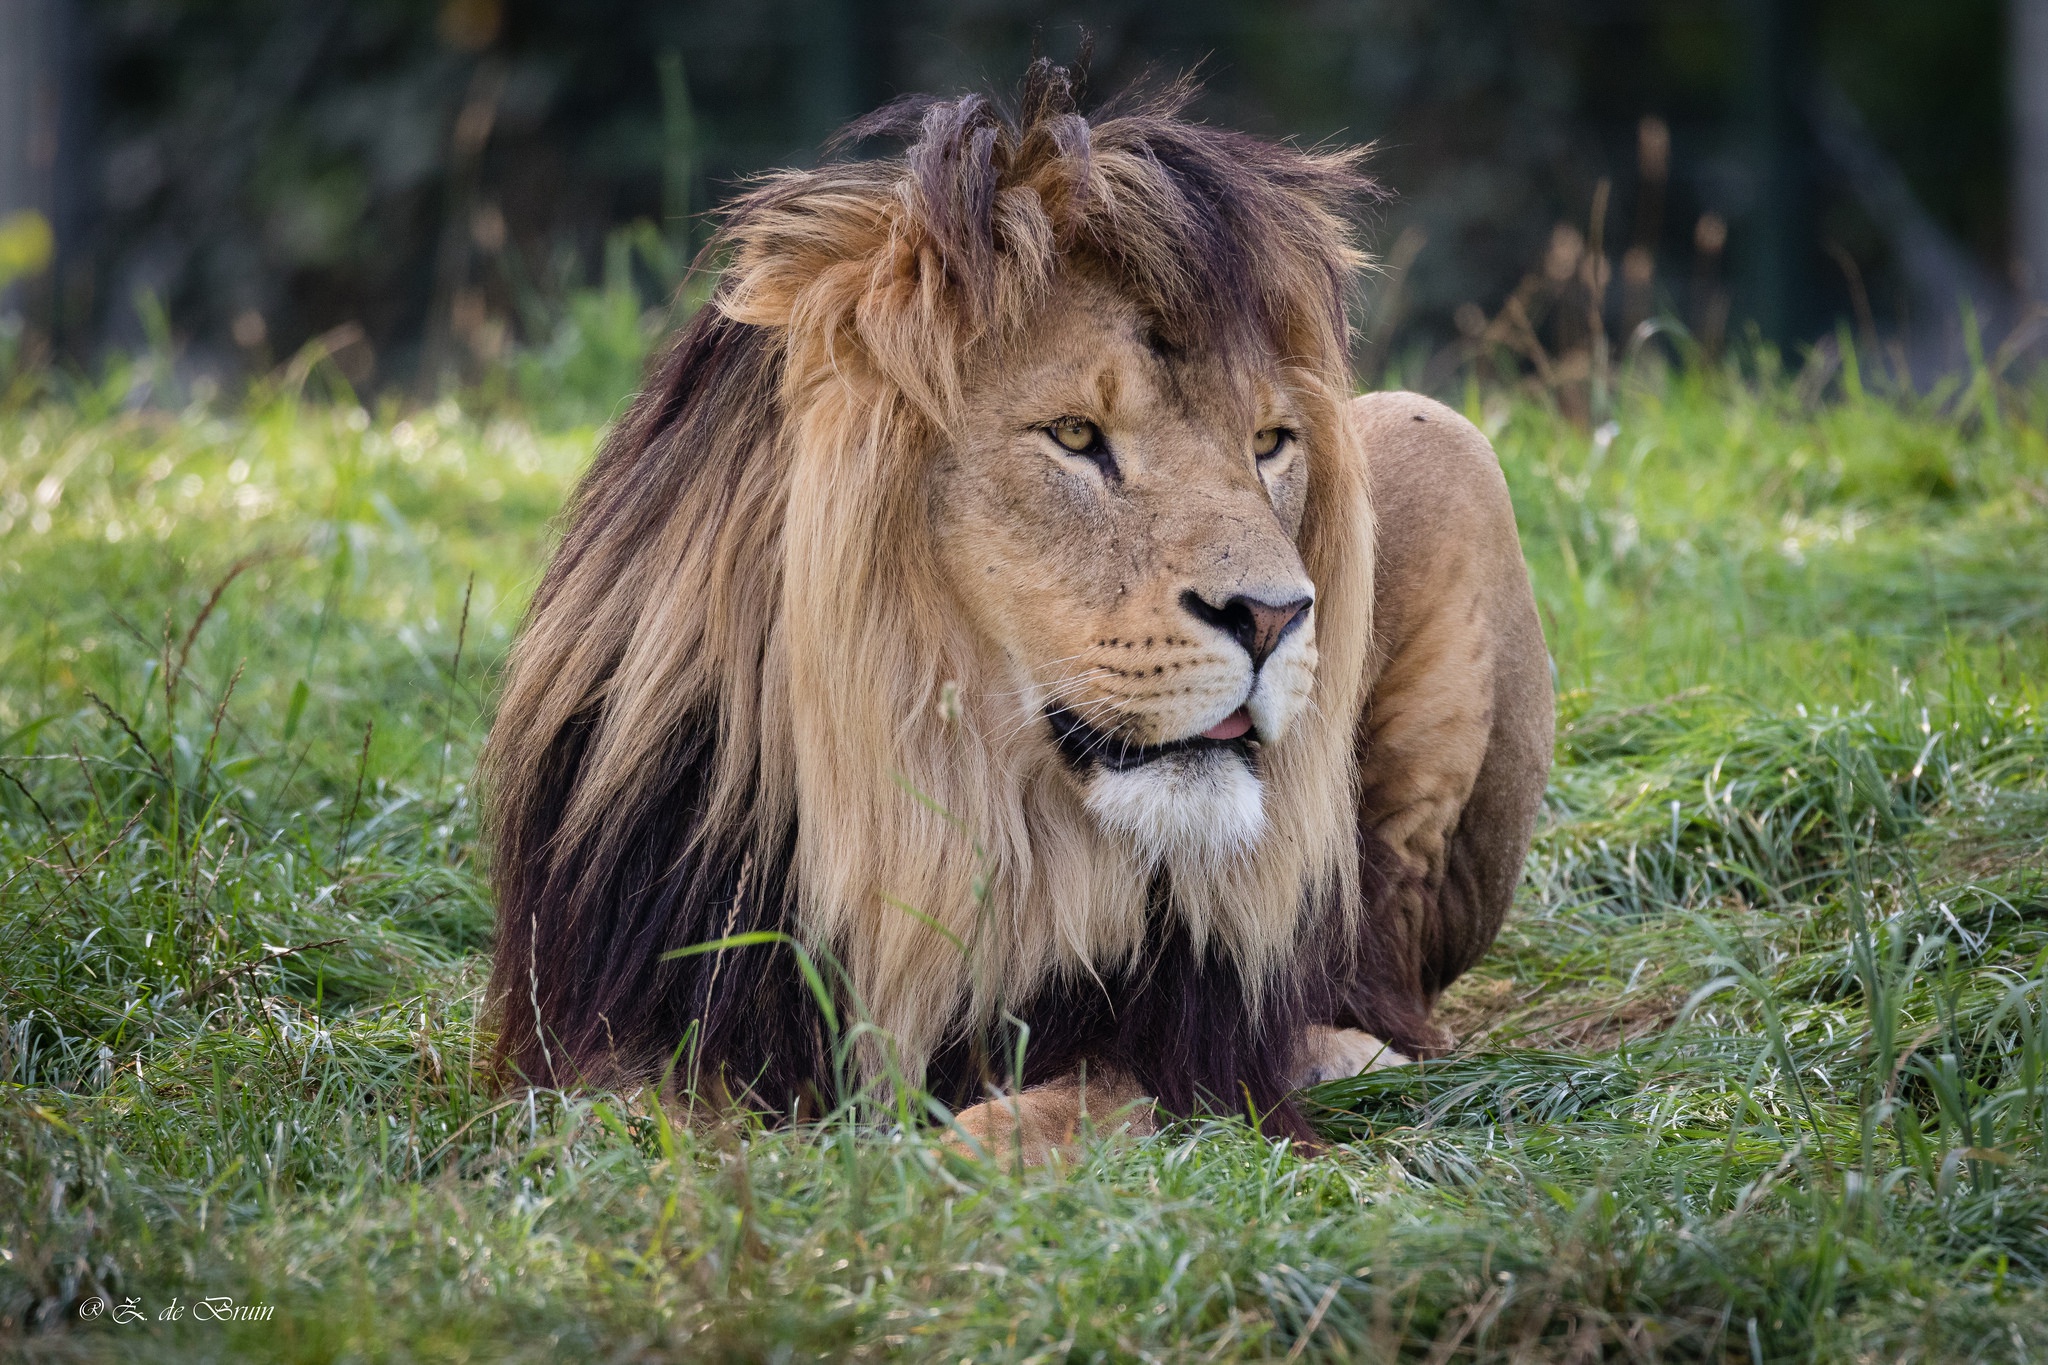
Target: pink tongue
[(1230, 727)]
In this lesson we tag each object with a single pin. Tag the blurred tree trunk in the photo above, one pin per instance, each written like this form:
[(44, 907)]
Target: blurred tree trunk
[(1783, 253), (2028, 44), (36, 105)]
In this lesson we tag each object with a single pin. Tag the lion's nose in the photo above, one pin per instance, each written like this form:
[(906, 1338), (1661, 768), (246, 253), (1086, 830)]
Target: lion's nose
[(1257, 625)]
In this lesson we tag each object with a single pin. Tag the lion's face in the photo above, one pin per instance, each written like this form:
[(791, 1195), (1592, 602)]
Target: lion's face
[(1119, 522)]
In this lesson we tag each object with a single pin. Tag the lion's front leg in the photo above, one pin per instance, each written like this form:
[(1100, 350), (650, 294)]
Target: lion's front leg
[(1034, 1124), (1331, 1054), (1456, 737)]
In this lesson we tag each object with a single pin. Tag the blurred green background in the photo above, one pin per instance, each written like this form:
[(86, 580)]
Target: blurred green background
[(447, 192)]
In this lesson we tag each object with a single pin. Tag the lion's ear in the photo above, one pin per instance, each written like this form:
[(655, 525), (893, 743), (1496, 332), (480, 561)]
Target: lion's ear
[(803, 254), (855, 286)]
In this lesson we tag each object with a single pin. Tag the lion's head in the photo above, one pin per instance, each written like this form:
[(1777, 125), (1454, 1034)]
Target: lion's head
[(1118, 521), (980, 591)]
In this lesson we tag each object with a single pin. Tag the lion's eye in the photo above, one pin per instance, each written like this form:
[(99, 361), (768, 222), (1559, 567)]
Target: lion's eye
[(1076, 435), (1270, 442)]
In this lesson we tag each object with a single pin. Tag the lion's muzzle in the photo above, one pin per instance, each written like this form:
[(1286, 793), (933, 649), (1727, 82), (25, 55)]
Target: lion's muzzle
[(1199, 790)]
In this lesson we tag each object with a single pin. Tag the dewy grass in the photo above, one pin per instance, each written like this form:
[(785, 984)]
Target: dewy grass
[(1758, 1070)]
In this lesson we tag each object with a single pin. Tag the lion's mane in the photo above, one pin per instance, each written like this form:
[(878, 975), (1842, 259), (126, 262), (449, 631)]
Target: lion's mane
[(724, 715)]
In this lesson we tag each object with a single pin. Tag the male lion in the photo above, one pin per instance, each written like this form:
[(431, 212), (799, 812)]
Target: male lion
[(997, 592)]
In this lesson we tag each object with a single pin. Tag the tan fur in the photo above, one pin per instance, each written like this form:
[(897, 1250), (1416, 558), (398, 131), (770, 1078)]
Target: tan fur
[(1330, 1054), (846, 715), (1458, 726), (828, 644), (1055, 1118)]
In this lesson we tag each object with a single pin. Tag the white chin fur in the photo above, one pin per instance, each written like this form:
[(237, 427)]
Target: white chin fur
[(1205, 805)]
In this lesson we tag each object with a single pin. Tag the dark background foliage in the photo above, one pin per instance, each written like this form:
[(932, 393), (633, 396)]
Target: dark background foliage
[(446, 176)]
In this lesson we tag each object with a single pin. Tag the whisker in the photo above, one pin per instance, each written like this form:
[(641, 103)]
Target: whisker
[(1057, 694), (1086, 714), (1069, 681)]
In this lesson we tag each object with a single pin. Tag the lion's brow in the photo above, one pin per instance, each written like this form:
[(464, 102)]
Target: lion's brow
[(1108, 387)]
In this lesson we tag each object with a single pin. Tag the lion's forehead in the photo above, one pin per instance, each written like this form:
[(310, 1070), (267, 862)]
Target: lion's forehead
[(1089, 342)]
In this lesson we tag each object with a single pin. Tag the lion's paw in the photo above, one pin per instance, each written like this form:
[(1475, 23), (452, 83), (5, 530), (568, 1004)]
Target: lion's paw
[(1046, 1120), (1330, 1054)]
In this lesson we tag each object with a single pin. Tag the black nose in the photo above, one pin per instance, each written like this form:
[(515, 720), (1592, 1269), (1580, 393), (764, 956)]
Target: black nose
[(1258, 626)]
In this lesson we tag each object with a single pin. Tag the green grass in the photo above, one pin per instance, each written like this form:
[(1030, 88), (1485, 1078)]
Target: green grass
[(1759, 1069)]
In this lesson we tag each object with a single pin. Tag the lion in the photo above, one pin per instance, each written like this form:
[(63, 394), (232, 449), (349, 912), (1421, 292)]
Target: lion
[(995, 654)]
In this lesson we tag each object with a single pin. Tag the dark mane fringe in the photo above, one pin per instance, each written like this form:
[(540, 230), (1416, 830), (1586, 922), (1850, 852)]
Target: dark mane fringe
[(689, 418), (1176, 1021), (581, 990)]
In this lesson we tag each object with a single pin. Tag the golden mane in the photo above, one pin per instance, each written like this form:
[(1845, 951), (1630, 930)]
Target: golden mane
[(724, 713)]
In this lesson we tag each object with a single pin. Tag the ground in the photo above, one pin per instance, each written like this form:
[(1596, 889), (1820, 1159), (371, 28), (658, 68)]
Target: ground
[(1758, 1070)]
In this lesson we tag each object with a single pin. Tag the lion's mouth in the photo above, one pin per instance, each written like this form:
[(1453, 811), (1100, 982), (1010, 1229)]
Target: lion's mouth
[(1084, 746), (1236, 725)]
